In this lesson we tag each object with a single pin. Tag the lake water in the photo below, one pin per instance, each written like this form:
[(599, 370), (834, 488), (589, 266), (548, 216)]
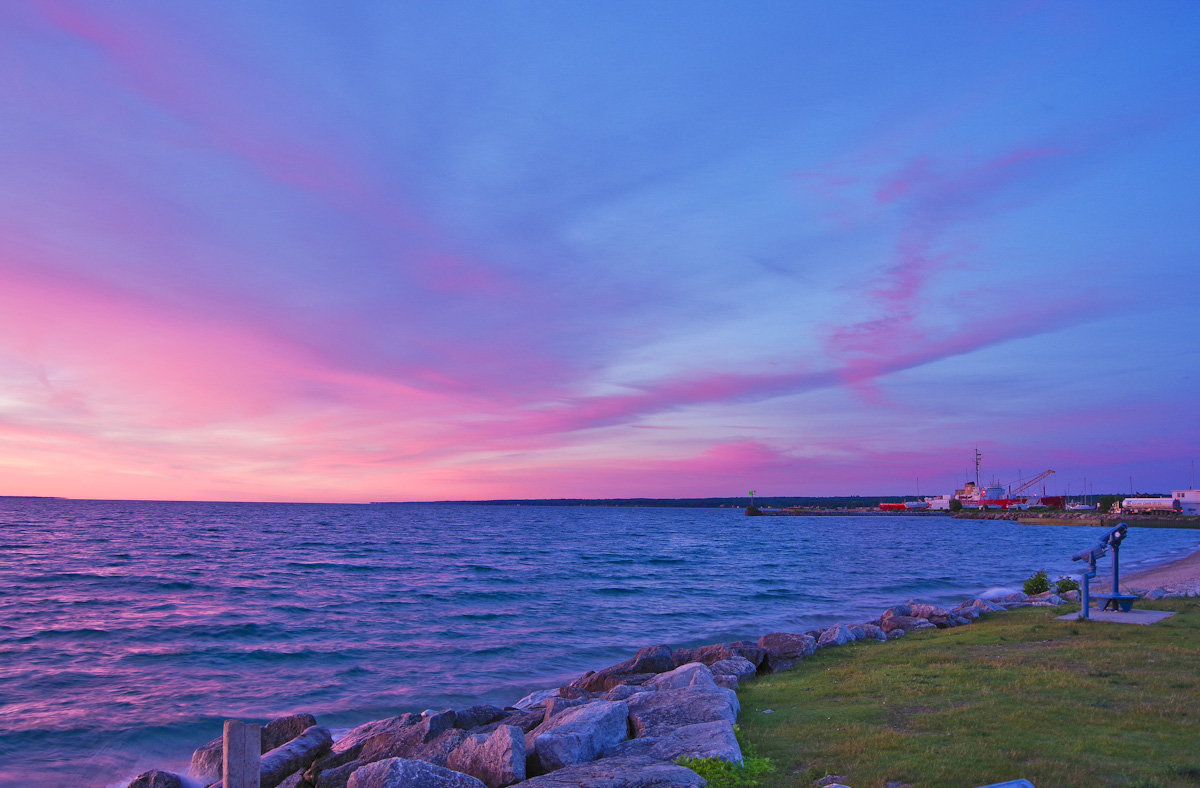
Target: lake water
[(130, 630)]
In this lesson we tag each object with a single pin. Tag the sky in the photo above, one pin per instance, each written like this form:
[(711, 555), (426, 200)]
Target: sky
[(361, 251)]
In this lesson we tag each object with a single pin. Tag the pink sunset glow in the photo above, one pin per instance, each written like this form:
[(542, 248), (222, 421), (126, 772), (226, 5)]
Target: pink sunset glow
[(403, 254)]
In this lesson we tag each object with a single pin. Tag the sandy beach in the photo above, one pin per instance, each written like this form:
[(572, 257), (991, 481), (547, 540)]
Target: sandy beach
[(1182, 574)]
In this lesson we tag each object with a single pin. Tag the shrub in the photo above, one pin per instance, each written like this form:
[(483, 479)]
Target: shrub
[(723, 774), (1065, 584), (1037, 583), (955, 505)]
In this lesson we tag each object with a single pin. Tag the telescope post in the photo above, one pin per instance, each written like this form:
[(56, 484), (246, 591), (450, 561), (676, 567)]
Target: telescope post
[(1085, 597)]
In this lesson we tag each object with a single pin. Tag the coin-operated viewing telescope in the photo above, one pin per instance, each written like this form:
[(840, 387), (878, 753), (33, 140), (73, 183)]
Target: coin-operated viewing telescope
[(1116, 600)]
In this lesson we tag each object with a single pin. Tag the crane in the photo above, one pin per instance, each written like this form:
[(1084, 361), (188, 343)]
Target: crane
[(1022, 488)]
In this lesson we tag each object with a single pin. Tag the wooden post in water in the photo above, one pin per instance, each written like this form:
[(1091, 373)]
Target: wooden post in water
[(241, 751)]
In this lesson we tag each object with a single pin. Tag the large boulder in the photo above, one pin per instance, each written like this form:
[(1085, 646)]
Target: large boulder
[(739, 667), (353, 741), (623, 691), (652, 659), (984, 606), (401, 773), (536, 698), (556, 706), (658, 713), (582, 733), (293, 756), (782, 650), (413, 744), (644, 665), (631, 771), (702, 740), (693, 674), (1009, 601), (908, 623), (497, 759), (836, 635), (897, 610), (872, 632), (716, 652), (923, 610), (475, 716), (207, 761), (526, 719), (156, 779)]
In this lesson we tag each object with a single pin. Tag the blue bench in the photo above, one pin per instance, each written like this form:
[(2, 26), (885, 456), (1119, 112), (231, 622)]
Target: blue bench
[(1122, 602)]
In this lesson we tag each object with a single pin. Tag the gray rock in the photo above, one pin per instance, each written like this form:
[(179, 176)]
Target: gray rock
[(896, 633), (1009, 601), (293, 756), (782, 650), (719, 651), (986, 606), (525, 719), (966, 611), (353, 741), (496, 760), (283, 729), (658, 713), (836, 635), (438, 750), (401, 773), (739, 667), (922, 610), (474, 716), (437, 721), (631, 771), (907, 623), (693, 674), (653, 659), (623, 691), (728, 682), (555, 706), (296, 780), (702, 740), (1071, 596), (873, 632), (536, 698), (156, 779), (644, 665), (412, 744), (582, 733), (335, 777)]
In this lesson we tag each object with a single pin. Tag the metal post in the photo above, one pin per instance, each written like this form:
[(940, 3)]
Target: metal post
[(242, 744), (1085, 596), (1116, 548)]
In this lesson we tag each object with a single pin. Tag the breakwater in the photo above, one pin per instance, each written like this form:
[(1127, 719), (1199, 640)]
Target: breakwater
[(130, 630)]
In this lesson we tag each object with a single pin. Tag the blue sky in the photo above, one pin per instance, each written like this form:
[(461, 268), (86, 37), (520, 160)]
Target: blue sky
[(473, 250)]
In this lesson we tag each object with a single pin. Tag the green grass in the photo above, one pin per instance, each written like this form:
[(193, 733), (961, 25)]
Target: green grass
[(1018, 694)]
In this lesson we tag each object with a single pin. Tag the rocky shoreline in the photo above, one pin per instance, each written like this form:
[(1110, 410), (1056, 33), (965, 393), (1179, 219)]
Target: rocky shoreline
[(625, 726)]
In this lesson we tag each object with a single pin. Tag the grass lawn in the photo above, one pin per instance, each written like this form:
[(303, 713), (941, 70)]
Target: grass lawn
[(1017, 694)]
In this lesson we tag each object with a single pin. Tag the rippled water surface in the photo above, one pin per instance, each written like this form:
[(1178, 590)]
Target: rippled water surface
[(129, 630)]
